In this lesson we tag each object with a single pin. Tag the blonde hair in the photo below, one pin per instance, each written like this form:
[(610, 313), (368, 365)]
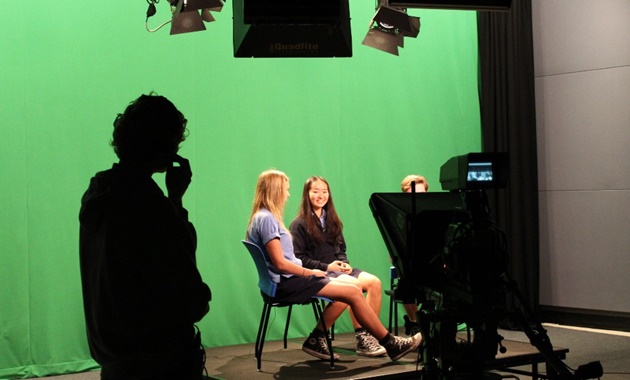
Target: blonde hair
[(269, 194), (405, 185)]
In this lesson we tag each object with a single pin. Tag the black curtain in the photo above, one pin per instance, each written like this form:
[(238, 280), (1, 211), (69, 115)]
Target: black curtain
[(508, 123)]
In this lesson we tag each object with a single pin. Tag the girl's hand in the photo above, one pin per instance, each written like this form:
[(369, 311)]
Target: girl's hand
[(346, 268), (316, 272), (336, 266)]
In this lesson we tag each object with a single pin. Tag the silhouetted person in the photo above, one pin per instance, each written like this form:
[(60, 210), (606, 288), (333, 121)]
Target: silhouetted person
[(142, 292)]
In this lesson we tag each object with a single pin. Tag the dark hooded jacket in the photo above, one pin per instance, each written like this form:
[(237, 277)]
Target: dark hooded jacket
[(142, 291), (315, 254)]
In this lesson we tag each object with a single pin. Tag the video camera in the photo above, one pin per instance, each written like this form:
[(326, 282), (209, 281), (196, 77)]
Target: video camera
[(446, 246), (446, 242)]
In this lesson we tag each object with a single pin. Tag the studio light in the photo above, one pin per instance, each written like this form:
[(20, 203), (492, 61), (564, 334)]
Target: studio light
[(187, 15), (388, 28), (291, 28), (186, 20)]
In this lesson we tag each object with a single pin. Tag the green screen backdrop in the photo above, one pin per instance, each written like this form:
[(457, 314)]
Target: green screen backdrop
[(362, 122)]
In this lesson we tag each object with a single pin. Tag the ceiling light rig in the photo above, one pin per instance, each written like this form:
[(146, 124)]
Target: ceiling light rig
[(389, 26), (187, 15)]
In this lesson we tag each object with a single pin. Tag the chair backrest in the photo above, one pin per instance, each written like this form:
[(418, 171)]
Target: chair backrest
[(265, 283)]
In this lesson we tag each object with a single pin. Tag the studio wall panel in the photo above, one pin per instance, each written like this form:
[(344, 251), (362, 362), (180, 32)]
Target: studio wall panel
[(582, 60), (584, 261), (584, 130), (579, 35)]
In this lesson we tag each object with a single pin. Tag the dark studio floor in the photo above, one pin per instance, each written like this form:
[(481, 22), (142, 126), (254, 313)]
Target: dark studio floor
[(611, 348)]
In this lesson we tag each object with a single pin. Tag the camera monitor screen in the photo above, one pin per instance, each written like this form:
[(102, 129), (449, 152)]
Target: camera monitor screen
[(480, 171), (414, 229), (475, 171)]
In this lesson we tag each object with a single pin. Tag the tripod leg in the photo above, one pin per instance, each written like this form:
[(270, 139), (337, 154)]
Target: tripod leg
[(537, 335)]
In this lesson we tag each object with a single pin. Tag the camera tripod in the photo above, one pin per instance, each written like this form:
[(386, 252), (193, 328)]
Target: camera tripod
[(446, 358)]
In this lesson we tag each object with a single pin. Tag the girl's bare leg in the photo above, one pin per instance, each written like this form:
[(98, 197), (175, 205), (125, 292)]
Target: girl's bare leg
[(372, 286), (351, 295)]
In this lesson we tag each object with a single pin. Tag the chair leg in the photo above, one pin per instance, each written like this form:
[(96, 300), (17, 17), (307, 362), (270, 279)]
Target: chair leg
[(332, 328), (395, 318), (260, 328), (320, 316), (391, 312), (262, 333), (286, 326)]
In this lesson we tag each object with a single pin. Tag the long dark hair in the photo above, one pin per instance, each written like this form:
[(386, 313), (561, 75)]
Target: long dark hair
[(334, 227)]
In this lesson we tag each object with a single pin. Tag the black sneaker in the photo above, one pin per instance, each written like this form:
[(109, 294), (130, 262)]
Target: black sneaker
[(411, 328), (367, 345), (399, 347), (316, 345)]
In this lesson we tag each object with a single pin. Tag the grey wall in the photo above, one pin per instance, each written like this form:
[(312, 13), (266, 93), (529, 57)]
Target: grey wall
[(582, 63)]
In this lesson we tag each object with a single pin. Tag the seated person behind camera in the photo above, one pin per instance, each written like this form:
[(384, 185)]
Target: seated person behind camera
[(404, 291)]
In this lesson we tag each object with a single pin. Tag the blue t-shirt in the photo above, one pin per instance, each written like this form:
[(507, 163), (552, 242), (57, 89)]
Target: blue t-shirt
[(263, 228)]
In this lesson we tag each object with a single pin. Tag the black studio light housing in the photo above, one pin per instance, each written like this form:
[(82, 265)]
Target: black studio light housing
[(308, 28), (391, 23), (389, 27), (290, 28), (187, 15)]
